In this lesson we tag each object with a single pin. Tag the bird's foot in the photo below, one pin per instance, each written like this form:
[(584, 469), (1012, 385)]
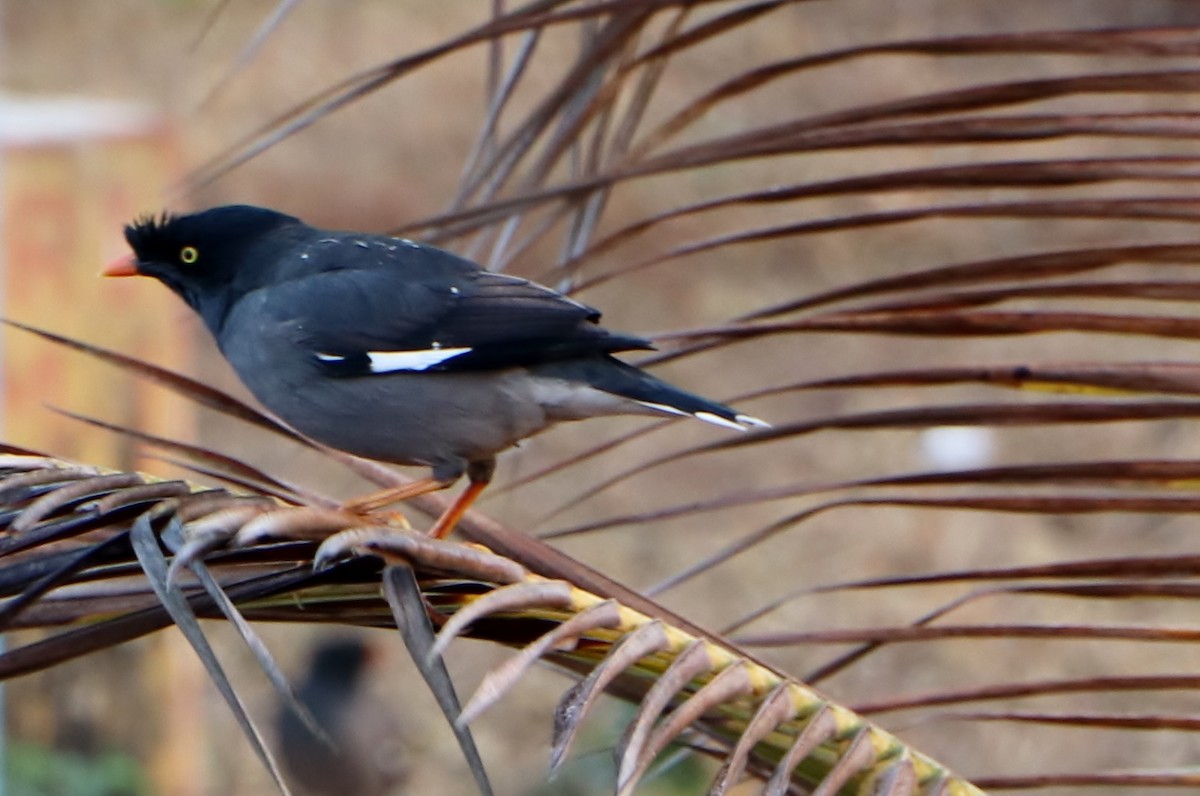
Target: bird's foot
[(450, 517)]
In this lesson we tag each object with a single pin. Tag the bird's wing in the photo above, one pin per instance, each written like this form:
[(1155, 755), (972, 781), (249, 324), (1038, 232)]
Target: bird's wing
[(381, 321)]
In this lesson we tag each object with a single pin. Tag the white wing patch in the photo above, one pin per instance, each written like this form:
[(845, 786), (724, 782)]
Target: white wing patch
[(393, 361)]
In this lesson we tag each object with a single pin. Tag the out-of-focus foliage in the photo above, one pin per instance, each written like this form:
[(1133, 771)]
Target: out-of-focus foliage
[(37, 771)]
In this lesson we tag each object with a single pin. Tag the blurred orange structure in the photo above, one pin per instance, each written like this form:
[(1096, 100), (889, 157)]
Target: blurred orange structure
[(72, 172)]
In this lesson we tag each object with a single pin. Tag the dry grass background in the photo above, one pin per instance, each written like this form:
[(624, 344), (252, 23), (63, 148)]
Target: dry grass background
[(396, 156)]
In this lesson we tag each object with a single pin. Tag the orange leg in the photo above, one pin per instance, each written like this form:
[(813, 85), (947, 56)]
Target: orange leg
[(450, 517), (385, 497)]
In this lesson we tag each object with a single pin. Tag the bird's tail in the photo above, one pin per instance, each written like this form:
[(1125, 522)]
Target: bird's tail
[(614, 376)]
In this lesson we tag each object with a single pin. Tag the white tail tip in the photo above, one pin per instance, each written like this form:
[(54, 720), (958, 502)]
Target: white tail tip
[(739, 422)]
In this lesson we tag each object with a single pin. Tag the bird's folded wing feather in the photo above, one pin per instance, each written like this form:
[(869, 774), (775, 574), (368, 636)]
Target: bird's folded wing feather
[(378, 321)]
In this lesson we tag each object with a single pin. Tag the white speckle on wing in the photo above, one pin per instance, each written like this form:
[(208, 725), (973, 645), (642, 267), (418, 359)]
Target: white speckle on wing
[(330, 357), (410, 244), (454, 291), (436, 346), (391, 361), (362, 244), (303, 255)]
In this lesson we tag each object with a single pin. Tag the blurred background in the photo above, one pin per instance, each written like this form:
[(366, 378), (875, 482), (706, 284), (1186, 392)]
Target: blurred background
[(109, 110)]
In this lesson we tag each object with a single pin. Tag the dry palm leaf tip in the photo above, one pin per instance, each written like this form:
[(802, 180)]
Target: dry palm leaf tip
[(396, 351), (83, 552)]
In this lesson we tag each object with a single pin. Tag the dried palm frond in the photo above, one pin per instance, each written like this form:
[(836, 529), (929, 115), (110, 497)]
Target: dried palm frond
[(83, 554)]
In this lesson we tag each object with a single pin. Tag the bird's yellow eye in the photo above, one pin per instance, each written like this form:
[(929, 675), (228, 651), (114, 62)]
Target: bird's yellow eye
[(189, 255)]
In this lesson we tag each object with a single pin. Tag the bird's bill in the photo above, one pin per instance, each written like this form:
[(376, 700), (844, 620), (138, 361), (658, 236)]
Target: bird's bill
[(125, 265)]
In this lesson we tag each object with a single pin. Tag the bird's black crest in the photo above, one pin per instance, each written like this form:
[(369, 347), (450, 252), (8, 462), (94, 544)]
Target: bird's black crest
[(230, 224), (148, 227)]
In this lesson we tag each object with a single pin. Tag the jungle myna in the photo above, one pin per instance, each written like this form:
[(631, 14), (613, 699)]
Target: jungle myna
[(393, 350)]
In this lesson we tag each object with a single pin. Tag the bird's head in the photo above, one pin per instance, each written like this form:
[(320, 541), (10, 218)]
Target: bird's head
[(207, 257)]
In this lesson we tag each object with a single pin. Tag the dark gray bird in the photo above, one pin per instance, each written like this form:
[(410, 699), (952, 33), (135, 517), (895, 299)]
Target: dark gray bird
[(362, 753), (396, 351)]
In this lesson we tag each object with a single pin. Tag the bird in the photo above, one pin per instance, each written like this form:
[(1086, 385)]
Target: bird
[(363, 748), (397, 351)]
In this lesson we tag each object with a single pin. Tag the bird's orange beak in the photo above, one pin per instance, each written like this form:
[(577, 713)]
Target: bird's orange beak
[(122, 266)]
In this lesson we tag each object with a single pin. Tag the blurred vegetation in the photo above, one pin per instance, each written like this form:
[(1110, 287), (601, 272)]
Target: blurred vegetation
[(40, 771)]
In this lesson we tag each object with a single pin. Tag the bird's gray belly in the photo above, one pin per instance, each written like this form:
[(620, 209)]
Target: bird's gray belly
[(409, 418), (404, 418)]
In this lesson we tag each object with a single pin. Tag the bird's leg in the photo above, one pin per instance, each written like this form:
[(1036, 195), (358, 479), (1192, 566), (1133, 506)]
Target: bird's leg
[(479, 475), (385, 497), (450, 517)]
